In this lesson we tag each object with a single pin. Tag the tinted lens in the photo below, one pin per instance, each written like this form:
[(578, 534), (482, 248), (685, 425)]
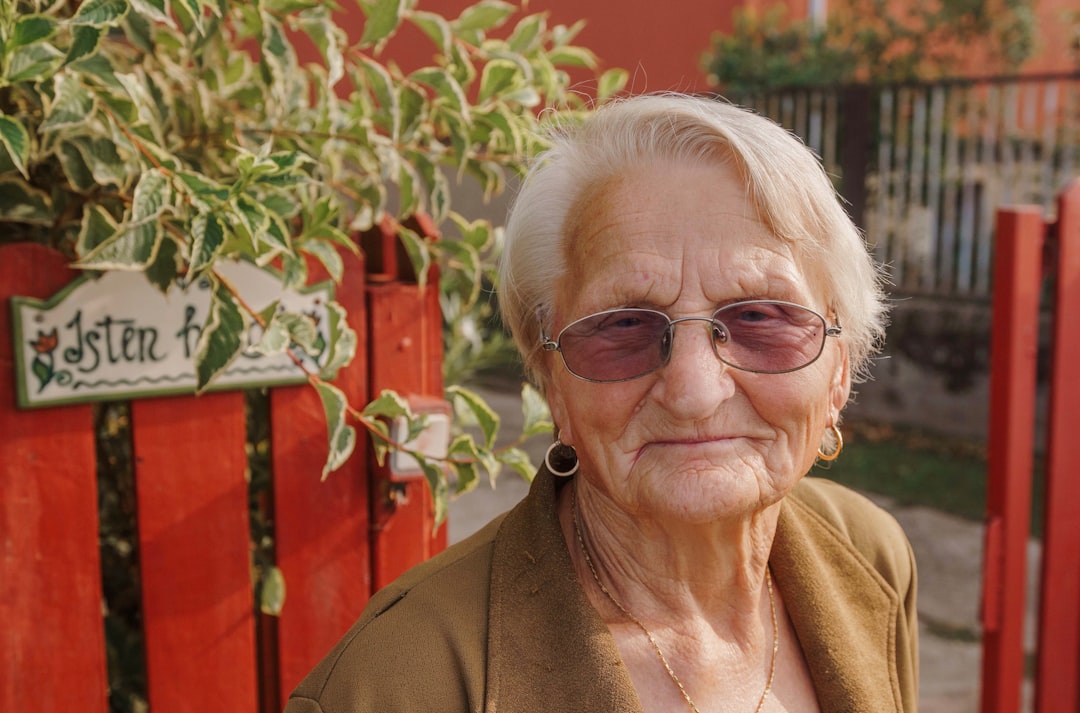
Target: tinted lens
[(770, 337), (615, 346)]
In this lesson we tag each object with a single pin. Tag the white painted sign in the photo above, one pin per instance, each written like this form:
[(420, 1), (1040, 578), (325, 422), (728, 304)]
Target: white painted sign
[(118, 337)]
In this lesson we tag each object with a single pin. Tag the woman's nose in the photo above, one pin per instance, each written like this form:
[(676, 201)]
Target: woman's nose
[(694, 381)]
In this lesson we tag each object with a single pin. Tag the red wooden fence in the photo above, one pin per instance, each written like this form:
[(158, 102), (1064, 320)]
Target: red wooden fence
[(1027, 251), (207, 648)]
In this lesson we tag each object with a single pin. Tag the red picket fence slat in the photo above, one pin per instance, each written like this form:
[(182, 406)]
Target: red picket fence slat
[(52, 647), (1013, 346), (321, 527), (206, 646), (193, 552)]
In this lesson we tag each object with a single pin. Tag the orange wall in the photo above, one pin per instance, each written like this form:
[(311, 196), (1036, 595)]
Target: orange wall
[(661, 43)]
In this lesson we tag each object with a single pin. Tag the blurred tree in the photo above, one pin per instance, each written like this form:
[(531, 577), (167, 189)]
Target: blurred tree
[(871, 41)]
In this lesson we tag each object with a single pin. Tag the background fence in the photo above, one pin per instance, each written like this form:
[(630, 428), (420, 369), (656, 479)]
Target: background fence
[(924, 166)]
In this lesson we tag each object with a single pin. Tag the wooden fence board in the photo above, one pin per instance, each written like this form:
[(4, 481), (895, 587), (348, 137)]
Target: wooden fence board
[(965, 279), (830, 141), (194, 553), (915, 221), (321, 534), (813, 126), (1007, 147), (1050, 131), (321, 529), (951, 177), (934, 158), (900, 250), (1030, 106), (990, 192), (1070, 132), (1058, 672), (52, 650), (801, 114), (877, 218)]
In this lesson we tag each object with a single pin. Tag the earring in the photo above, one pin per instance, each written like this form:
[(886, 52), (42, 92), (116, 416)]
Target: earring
[(561, 459), (839, 445)]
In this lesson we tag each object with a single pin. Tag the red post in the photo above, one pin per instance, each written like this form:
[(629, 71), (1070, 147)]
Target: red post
[(406, 349), (1058, 671), (52, 648), (1013, 350)]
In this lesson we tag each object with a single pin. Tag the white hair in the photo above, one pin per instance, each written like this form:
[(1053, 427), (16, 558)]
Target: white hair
[(785, 181)]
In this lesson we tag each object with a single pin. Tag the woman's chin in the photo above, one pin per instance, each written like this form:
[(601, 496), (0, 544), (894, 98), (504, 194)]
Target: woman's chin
[(704, 493)]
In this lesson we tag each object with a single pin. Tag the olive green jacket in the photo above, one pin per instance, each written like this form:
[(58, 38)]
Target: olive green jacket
[(499, 623)]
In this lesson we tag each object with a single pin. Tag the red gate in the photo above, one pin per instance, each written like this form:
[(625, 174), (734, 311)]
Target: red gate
[(1027, 251), (335, 541)]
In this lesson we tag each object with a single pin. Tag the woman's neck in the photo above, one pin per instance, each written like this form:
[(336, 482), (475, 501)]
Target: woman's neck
[(669, 570)]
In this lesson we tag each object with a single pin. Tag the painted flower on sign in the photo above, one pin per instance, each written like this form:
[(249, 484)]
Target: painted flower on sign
[(44, 364), (45, 343)]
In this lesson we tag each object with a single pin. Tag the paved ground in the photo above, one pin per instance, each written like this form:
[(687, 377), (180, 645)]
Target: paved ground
[(948, 551)]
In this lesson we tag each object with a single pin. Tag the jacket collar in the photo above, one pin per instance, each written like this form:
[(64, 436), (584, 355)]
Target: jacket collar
[(548, 649), (843, 611)]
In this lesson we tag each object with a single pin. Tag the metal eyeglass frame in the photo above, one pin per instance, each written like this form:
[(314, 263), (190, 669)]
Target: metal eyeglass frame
[(552, 345)]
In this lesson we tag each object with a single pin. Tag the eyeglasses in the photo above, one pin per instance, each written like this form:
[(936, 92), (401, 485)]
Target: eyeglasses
[(761, 336)]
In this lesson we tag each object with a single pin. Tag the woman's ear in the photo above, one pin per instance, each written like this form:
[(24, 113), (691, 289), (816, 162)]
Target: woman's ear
[(559, 415), (840, 386)]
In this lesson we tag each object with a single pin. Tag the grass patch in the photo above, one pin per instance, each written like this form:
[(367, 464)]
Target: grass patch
[(916, 468), (943, 630), (912, 468)]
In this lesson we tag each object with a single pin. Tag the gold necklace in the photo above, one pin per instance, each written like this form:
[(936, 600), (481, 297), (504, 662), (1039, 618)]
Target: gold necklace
[(652, 640)]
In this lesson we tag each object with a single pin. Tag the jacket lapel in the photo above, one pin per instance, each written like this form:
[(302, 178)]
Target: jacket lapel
[(843, 611), (548, 649)]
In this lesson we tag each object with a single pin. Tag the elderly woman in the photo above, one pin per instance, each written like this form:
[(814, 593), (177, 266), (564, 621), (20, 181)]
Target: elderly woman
[(694, 302)]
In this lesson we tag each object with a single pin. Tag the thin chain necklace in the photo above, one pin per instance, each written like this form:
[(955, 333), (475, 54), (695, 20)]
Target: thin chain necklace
[(652, 640)]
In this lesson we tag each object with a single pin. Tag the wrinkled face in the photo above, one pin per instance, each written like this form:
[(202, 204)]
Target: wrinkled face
[(695, 440)]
